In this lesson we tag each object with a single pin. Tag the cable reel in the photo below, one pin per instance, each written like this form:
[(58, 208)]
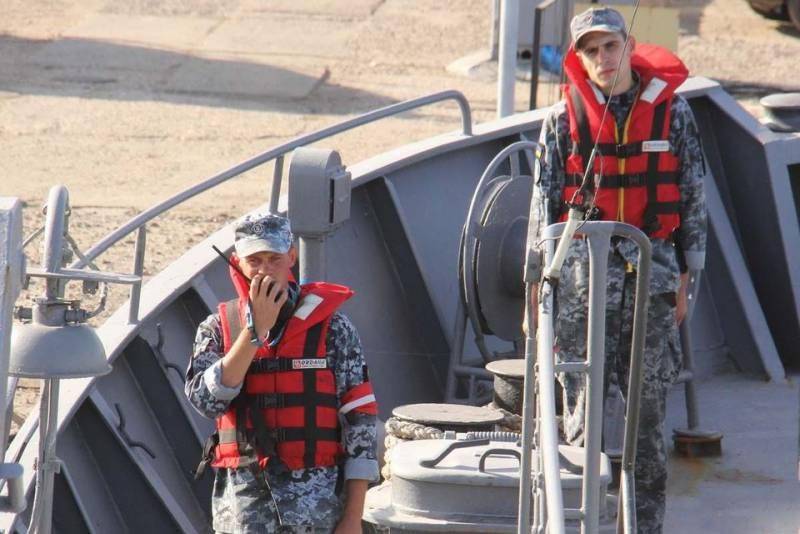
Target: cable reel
[(492, 257)]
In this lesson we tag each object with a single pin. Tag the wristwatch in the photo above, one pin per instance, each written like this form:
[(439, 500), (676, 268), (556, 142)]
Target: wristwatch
[(254, 338)]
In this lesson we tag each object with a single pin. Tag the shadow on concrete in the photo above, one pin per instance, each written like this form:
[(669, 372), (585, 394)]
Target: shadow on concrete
[(87, 68), (787, 28)]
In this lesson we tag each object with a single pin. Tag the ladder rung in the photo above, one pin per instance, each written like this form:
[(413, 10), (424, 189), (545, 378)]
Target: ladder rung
[(571, 367), (684, 376), (573, 513)]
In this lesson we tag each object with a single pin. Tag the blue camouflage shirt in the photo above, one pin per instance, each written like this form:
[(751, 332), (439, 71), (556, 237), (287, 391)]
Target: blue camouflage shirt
[(241, 502)]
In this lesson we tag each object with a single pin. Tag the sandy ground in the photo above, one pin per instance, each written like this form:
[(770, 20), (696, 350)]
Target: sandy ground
[(128, 102)]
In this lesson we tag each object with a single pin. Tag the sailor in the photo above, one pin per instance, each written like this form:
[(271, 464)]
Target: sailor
[(283, 374), (649, 172)]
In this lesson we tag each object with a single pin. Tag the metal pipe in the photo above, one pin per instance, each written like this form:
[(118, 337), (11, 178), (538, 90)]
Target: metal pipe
[(507, 61), (692, 417), (548, 428), (11, 267), (42, 513), (633, 399), (312, 259), (692, 413), (50, 463), (456, 350), (154, 211), (599, 244), (494, 38), (55, 226), (138, 269), (537, 28), (277, 178), (525, 494)]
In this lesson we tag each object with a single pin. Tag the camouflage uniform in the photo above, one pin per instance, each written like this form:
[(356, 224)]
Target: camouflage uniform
[(244, 501), (662, 359)]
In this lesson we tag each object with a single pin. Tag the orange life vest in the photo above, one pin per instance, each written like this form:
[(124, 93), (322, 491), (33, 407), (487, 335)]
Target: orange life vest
[(639, 171)]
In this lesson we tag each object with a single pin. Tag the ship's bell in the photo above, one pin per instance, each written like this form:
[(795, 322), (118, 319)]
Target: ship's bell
[(66, 351)]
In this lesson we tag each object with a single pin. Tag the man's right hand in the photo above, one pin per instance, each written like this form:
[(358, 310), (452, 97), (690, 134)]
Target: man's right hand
[(266, 300)]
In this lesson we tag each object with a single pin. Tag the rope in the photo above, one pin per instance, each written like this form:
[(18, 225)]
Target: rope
[(511, 422), (398, 431)]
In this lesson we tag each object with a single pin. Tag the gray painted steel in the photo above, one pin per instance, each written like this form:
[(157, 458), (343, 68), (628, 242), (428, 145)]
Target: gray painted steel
[(471, 488), (399, 250), (12, 269)]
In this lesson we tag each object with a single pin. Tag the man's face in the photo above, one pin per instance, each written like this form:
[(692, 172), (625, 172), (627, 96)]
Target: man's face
[(273, 264), (600, 54)]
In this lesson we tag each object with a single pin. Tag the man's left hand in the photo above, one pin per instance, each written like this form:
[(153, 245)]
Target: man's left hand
[(348, 525)]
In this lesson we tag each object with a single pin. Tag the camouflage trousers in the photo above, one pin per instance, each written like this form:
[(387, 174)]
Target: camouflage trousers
[(662, 362), (242, 503)]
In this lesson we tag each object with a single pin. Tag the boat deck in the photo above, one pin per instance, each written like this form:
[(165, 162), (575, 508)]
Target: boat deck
[(753, 487)]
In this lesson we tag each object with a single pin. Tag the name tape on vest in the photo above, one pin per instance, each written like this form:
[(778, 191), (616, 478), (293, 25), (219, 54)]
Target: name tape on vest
[(655, 146), (309, 363), (309, 304)]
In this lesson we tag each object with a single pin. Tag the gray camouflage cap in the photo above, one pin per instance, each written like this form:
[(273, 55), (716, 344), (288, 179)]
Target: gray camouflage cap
[(600, 19), (260, 232)]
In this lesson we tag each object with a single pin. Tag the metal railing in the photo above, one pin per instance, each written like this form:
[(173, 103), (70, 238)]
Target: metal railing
[(539, 428), (276, 153)]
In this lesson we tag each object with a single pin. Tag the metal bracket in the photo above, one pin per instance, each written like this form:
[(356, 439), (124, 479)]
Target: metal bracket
[(158, 349), (128, 440)]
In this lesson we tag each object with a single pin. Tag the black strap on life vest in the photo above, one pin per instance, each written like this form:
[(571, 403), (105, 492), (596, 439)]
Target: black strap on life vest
[(624, 180), (311, 395), (288, 400), (627, 150), (265, 440), (585, 143), (281, 435), (208, 455), (654, 208)]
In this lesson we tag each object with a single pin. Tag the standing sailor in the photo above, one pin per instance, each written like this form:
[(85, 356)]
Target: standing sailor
[(283, 373), (648, 171)]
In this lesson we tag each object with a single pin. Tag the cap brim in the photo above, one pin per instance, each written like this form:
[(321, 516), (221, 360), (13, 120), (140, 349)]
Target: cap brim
[(602, 28), (247, 247)]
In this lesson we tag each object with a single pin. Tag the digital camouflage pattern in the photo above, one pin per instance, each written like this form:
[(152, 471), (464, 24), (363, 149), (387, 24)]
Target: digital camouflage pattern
[(597, 19), (256, 232), (662, 358), (662, 363), (242, 500)]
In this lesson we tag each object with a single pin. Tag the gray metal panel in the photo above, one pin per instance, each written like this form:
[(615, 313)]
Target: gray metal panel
[(122, 394), (401, 369), (749, 165), (734, 296), (178, 325), (709, 346), (435, 196), (90, 486)]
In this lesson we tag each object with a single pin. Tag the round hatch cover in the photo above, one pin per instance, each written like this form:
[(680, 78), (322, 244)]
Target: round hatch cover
[(448, 415)]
